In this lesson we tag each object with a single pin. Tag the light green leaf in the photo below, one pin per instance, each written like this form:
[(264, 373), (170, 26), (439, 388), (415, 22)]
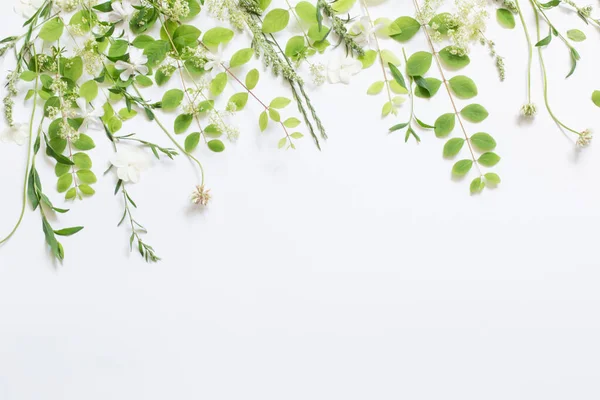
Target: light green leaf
[(483, 141), (444, 124), (280, 102), (263, 121), (376, 88), (217, 85), (453, 146), (489, 159), (477, 185), (82, 161), (368, 58), (252, 79), (191, 142), (239, 99), (172, 99), (64, 183), (474, 113), (86, 176), (84, 142), (182, 123), (505, 18), (276, 20), (406, 28), (419, 63), (291, 122), (274, 114), (342, 6), (216, 145), (463, 87), (596, 97), (461, 167), (241, 57), (576, 35), (89, 90), (52, 30), (306, 12), (215, 36), (492, 179), (453, 61)]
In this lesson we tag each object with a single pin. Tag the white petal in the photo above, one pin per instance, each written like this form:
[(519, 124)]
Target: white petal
[(344, 76), (142, 69), (354, 68), (333, 75), (122, 173), (82, 104), (125, 75), (134, 174), (122, 65)]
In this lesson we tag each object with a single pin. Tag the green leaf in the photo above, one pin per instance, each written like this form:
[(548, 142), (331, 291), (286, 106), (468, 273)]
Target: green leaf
[(82, 161), (241, 57), (86, 176), (433, 84), (191, 142), (52, 30), (252, 79), (217, 85), (64, 183), (87, 190), (596, 97), (397, 75), (215, 36), (295, 47), (406, 27), (453, 146), (368, 58), (186, 36), (483, 141), (462, 167), (84, 142), (71, 194), (118, 48), (306, 12), (172, 99), (28, 76), (61, 169), (182, 123), (492, 179), (474, 113), (576, 35), (276, 20), (216, 145), (419, 63), (212, 131), (376, 88), (89, 90), (387, 109), (142, 41), (280, 102), (297, 135), (505, 18), (263, 121), (342, 6), (239, 99), (488, 159), (453, 61), (463, 87), (282, 142), (477, 185), (291, 122), (274, 114), (444, 125), (68, 231)]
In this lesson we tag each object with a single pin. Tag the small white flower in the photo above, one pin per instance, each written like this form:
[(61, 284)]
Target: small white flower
[(26, 8), (18, 133), (340, 69), (121, 12), (365, 31), (585, 138), (214, 60), (91, 116), (130, 163), (137, 59)]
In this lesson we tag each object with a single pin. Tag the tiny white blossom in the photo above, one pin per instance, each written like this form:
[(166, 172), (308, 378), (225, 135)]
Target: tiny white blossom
[(214, 60), (340, 69), (137, 61), (91, 116), (130, 163), (18, 133)]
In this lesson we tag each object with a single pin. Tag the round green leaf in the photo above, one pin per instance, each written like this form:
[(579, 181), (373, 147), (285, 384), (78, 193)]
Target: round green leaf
[(182, 123), (444, 125), (52, 30), (460, 168), (172, 99), (483, 141), (505, 18), (453, 61), (419, 63), (276, 20), (474, 113), (576, 35), (216, 145), (463, 87), (596, 97), (404, 28), (489, 159), (241, 57), (453, 146), (191, 142), (252, 79)]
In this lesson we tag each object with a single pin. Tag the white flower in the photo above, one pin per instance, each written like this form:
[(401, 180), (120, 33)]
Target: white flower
[(18, 133), (26, 8), (121, 12), (137, 59), (214, 60), (365, 31), (91, 116), (585, 138), (342, 68), (130, 163)]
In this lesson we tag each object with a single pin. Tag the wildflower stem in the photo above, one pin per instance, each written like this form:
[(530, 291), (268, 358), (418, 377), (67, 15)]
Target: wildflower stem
[(529, 50), (29, 163), (446, 85), (545, 78), (166, 131)]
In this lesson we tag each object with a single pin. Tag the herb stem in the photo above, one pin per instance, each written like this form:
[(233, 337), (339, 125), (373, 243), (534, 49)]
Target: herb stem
[(529, 50)]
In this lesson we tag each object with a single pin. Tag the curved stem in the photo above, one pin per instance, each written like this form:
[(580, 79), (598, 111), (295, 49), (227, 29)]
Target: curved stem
[(545, 79), (529, 51), (166, 131)]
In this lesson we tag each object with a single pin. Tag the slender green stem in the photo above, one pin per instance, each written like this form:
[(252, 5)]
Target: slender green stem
[(545, 77), (529, 51), (166, 131), (27, 166)]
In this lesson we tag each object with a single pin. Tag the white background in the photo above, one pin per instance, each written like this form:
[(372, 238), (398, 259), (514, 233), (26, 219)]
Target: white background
[(359, 272)]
